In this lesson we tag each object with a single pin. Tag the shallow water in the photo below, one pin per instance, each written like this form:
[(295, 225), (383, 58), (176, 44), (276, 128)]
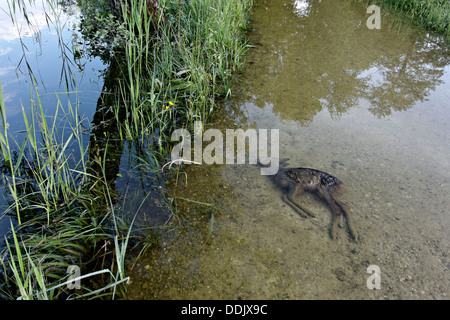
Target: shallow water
[(368, 106)]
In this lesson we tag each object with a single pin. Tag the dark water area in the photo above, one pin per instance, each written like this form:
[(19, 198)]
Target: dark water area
[(371, 107)]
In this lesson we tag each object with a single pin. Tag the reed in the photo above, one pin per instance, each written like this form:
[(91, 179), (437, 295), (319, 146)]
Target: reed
[(172, 73)]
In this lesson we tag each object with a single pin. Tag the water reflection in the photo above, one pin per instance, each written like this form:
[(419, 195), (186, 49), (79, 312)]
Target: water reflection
[(406, 76), (302, 7), (322, 53), (36, 40)]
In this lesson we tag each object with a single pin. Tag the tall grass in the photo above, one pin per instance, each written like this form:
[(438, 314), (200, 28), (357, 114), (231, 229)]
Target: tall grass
[(173, 71), (59, 223)]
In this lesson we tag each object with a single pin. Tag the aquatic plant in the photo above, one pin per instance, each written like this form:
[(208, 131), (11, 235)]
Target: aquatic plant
[(189, 61), (432, 14)]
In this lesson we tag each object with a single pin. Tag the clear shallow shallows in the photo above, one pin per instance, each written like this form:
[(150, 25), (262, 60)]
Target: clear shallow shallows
[(368, 106)]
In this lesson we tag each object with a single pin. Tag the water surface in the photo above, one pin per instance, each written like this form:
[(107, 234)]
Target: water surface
[(368, 106)]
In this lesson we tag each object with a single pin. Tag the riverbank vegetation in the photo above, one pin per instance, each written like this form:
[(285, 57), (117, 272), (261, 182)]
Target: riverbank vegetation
[(60, 214), (167, 68), (432, 14)]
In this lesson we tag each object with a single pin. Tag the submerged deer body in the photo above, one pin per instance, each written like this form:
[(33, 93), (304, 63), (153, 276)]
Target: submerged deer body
[(295, 181)]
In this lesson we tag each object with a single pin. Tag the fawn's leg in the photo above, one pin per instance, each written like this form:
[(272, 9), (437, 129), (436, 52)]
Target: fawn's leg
[(294, 192)]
